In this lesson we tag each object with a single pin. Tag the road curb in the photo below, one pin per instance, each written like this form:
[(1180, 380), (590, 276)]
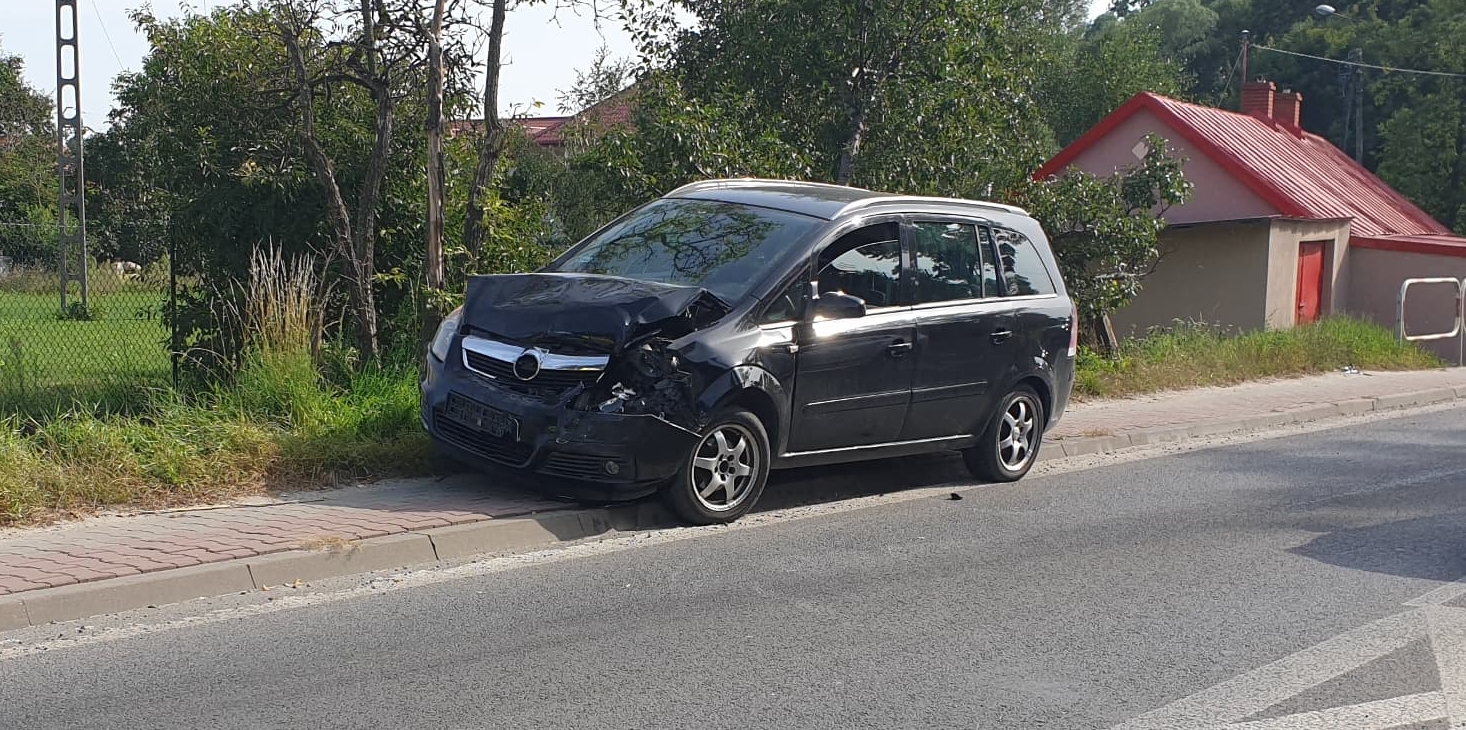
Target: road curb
[(1105, 443), (265, 572), (505, 535)]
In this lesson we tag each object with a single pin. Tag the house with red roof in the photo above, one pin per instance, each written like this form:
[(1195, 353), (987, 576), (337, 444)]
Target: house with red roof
[(551, 132), (1283, 227)]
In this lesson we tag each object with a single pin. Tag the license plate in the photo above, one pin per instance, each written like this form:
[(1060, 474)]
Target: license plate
[(493, 422)]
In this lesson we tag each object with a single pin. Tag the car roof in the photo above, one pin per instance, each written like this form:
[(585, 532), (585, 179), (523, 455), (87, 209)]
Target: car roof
[(822, 200)]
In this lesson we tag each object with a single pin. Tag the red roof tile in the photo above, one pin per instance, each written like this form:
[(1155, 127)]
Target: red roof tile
[(1301, 174)]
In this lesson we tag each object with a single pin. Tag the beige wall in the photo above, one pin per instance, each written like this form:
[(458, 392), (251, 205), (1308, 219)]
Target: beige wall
[(1374, 287), (1282, 270), (1215, 273), (1218, 196)]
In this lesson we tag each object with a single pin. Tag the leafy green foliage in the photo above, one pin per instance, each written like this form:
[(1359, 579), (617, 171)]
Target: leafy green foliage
[(27, 169), (1092, 75), (910, 96), (1105, 232)]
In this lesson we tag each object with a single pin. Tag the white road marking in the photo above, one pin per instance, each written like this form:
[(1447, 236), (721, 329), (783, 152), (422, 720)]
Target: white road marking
[(1377, 715), (1261, 688), (1448, 639), (1224, 705)]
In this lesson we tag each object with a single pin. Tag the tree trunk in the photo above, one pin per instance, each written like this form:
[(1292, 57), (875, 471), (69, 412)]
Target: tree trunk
[(493, 134), (851, 149), (354, 236), (434, 264), (1102, 334)]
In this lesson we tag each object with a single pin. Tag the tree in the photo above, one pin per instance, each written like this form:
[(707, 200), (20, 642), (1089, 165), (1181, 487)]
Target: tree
[(922, 96), (377, 56), (206, 137), (27, 167), (1422, 141), (605, 78), (1105, 231), (491, 143), (1092, 75)]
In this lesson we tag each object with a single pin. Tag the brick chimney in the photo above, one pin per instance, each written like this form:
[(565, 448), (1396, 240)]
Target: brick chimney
[(1288, 107), (1257, 98)]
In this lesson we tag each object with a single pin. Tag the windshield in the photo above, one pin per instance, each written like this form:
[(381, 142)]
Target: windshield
[(725, 248)]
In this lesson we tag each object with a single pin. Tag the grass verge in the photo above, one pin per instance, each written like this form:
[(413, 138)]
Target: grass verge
[(279, 426), (1192, 355)]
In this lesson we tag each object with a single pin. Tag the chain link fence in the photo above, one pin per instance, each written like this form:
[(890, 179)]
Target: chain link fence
[(105, 343)]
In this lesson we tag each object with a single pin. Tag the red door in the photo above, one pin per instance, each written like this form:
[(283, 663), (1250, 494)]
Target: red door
[(1310, 280)]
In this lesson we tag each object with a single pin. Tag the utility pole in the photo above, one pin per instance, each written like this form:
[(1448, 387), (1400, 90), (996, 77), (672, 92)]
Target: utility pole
[(1246, 52), (70, 174), (434, 264), (1357, 56)]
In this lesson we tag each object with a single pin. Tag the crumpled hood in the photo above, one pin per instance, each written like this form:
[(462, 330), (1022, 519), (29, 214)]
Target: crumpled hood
[(604, 313)]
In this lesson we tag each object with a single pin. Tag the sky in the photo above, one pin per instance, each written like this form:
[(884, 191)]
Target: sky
[(542, 49)]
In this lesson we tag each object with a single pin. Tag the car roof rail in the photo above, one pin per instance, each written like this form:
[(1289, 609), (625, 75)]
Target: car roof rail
[(910, 199), (724, 183)]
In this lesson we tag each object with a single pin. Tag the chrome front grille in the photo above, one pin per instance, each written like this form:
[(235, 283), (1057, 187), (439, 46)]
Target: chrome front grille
[(538, 370)]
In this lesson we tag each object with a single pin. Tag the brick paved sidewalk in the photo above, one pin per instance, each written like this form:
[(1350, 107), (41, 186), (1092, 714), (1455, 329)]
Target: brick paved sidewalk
[(1191, 407), (111, 547)]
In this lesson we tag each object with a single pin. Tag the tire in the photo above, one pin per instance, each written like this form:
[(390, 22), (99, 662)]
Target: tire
[(993, 461), (725, 473)]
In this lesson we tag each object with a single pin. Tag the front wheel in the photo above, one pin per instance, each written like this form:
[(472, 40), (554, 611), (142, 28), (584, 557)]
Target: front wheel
[(1009, 447), (725, 473)]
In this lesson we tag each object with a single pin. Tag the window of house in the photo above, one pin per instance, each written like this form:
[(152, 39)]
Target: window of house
[(951, 265), (1023, 269)]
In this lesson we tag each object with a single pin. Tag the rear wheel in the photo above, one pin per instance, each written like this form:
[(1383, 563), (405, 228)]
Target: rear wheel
[(1009, 447), (725, 473)]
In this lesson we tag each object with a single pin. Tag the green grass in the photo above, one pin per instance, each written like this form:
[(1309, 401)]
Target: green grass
[(278, 426), (109, 361), (1192, 355)]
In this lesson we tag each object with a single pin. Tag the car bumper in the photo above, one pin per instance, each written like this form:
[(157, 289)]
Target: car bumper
[(1064, 373), (550, 447)]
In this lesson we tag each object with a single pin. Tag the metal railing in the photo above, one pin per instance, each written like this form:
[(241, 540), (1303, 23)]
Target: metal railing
[(1457, 331)]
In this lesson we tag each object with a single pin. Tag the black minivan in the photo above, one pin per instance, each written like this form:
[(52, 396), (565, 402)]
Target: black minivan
[(731, 327)]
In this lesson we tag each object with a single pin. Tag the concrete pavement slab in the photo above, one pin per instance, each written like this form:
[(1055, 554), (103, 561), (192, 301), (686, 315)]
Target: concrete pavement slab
[(122, 594), (382, 553), (12, 614), (461, 541)]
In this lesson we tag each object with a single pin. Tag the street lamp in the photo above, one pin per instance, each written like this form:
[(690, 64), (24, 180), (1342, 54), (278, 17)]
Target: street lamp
[(1353, 82)]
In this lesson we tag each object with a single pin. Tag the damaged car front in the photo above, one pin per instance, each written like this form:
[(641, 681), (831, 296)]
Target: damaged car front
[(598, 374)]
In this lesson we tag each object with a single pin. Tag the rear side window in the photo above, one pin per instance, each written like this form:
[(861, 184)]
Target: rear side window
[(1023, 270), (951, 264)]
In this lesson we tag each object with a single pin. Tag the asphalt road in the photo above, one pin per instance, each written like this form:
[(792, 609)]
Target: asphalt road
[(1286, 583)]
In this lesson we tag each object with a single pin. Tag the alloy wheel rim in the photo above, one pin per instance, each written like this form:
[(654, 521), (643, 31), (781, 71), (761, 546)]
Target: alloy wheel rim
[(724, 466), (1018, 434)]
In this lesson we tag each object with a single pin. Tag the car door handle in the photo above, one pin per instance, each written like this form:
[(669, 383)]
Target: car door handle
[(899, 349), (1000, 336)]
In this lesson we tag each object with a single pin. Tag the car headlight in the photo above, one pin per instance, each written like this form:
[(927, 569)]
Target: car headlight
[(444, 339)]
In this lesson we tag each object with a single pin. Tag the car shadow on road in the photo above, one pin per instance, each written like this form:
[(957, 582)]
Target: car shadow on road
[(1395, 506), (826, 484)]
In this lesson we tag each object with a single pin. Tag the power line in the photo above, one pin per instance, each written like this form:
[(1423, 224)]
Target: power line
[(1360, 64), (106, 35)]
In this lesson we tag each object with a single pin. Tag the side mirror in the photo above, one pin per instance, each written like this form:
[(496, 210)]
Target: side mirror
[(837, 305)]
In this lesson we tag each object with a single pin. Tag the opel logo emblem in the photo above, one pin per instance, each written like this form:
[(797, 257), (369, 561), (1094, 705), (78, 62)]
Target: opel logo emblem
[(527, 365)]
